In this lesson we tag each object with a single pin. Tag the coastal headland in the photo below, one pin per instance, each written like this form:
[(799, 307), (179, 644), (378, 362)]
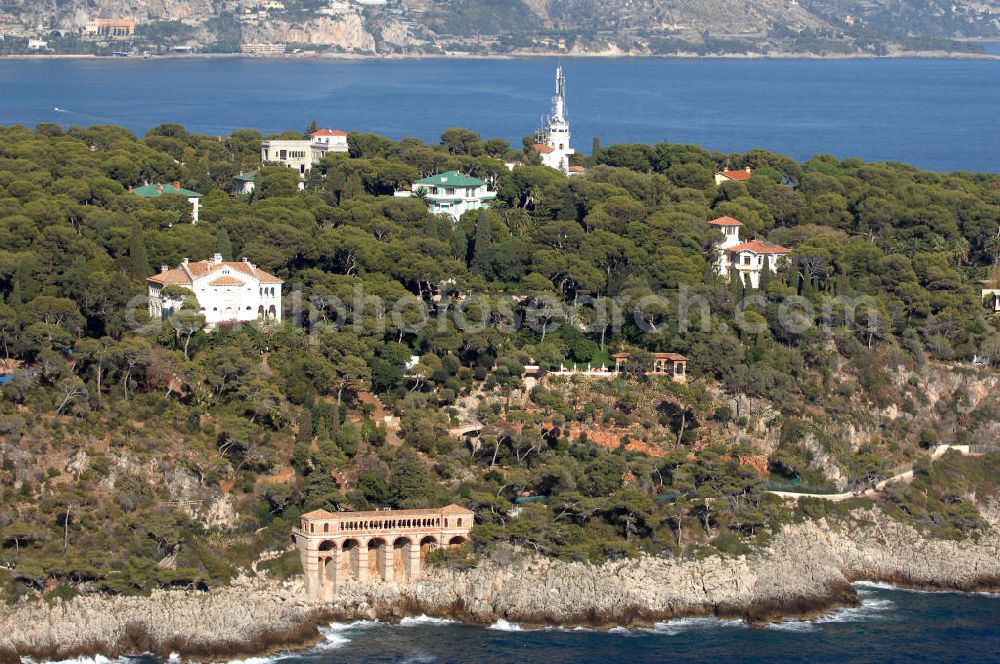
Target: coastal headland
[(808, 569)]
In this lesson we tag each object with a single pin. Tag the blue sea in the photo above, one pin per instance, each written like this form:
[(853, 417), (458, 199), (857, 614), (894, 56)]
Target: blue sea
[(890, 626), (934, 113)]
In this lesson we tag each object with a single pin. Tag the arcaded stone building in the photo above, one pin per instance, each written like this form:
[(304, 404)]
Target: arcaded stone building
[(386, 544)]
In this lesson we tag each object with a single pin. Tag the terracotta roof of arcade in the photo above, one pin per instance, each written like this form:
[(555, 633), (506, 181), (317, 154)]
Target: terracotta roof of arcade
[(198, 269), (328, 132), (541, 148), (726, 221), (760, 247), (739, 176), (318, 514), (448, 509)]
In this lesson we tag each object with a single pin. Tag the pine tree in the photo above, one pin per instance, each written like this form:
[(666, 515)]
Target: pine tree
[(223, 245), (312, 127), (138, 258)]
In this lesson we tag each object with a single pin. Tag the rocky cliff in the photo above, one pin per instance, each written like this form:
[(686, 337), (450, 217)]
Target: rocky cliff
[(807, 569)]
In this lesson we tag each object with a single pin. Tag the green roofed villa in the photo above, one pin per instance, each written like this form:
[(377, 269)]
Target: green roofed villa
[(245, 182), (451, 193), (159, 189)]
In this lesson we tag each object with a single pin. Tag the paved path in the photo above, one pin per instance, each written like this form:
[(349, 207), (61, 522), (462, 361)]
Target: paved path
[(906, 476)]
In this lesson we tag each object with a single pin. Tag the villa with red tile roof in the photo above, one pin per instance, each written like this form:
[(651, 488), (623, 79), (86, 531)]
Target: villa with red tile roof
[(733, 176), (748, 258), (227, 291)]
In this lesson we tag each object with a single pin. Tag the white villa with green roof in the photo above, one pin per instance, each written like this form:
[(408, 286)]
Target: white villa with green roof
[(159, 189), (452, 193)]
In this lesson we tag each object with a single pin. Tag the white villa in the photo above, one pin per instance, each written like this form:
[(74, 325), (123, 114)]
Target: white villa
[(554, 146), (302, 154), (329, 140), (451, 193), (227, 291), (749, 258)]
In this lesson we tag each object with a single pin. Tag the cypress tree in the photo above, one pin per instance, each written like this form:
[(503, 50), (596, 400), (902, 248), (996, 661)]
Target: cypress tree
[(765, 278), (137, 255), (595, 149), (223, 245)]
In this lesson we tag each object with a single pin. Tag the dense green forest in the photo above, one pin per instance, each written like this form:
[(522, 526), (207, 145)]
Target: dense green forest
[(139, 454)]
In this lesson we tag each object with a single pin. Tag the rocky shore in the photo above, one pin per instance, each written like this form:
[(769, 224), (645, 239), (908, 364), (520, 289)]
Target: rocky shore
[(808, 569)]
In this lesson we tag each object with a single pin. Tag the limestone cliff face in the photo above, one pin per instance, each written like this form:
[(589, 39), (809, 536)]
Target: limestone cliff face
[(347, 32), (807, 568)]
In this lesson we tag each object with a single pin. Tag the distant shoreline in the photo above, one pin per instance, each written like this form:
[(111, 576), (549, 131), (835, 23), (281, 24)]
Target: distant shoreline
[(923, 55)]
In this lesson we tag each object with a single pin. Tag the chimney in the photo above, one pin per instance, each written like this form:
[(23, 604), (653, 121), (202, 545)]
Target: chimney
[(159, 188), (217, 258), (748, 169), (184, 261), (177, 184), (163, 268)]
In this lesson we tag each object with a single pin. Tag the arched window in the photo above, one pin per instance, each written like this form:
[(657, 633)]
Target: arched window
[(326, 527), (459, 522), (312, 527)]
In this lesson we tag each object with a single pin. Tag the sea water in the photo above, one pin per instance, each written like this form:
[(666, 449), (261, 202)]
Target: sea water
[(933, 113)]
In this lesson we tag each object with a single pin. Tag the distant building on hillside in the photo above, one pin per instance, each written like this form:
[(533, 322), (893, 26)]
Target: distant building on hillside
[(111, 28), (159, 189), (554, 146), (255, 48), (748, 258), (451, 193), (227, 291), (733, 176)]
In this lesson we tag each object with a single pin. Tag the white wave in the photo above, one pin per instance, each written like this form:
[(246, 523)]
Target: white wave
[(174, 658), (877, 585), (424, 620), (687, 624), (337, 635), (862, 586), (505, 626), (793, 626), (869, 610), (96, 659), (256, 660)]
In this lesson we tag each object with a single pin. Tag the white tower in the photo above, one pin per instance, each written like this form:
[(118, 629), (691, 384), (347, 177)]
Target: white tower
[(556, 134)]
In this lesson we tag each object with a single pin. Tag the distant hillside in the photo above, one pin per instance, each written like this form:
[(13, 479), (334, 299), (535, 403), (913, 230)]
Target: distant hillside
[(818, 27)]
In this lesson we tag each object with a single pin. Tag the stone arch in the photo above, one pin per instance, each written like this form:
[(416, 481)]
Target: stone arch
[(457, 540), (378, 559), (350, 559), (328, 545), (427, 544), (401, 552)]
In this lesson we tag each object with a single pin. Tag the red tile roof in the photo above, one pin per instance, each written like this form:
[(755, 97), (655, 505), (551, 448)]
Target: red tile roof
[(328, 132), (760, 247), (739, 176), (200, 268), (226, 281), (577, 169), (726, 221), (541, 148)]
